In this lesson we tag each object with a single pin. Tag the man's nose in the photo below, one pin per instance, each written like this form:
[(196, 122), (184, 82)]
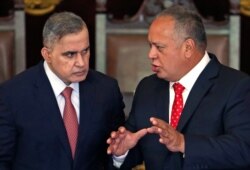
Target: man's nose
[(152, 53), (79, 59)]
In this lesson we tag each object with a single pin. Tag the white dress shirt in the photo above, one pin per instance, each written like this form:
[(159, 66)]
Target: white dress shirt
[(58, 86), (187, 81)]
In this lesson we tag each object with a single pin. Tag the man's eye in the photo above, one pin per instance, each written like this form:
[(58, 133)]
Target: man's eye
[(83, 52), (70, 54), (160, 48)]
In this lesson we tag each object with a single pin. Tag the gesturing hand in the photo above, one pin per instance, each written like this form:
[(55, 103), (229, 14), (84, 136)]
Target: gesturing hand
[(171, 138), (123, 140)]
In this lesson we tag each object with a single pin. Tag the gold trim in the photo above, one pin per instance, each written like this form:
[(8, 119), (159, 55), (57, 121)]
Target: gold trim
[(40, 7), (245, 7), (39, 12)]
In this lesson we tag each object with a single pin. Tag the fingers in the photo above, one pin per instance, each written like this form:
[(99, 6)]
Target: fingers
[(159, 126), (154, 129), (123, 140), (111, 149), (115, 139), (175, 143), (158, 122), (171, 138)]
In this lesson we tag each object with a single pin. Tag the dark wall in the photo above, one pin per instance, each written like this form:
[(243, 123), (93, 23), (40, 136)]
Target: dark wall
[(34, 26), (245, 47), (120, 9), (217, 9)]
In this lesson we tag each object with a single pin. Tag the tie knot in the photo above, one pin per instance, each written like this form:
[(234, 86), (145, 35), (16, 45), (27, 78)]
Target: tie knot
[(178, 88), (67, 92)]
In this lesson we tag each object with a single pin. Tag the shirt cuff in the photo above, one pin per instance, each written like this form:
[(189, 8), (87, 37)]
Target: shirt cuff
[(118, 160)]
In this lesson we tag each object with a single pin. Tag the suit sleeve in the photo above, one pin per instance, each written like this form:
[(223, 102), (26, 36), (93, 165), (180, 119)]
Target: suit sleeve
[(118, 118), (7, 135), (134, 156)]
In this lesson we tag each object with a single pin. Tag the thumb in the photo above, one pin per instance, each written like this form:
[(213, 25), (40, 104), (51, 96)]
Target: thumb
[(139, 134)]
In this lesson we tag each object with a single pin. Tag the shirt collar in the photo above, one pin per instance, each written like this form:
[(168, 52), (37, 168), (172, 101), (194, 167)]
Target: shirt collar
[(189, 79)]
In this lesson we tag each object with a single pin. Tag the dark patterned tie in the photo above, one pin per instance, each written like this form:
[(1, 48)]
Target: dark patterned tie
[(177, 104), (70, 119)]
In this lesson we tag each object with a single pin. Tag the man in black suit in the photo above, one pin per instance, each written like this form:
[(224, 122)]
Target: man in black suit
[(214, 125), (32, 131)]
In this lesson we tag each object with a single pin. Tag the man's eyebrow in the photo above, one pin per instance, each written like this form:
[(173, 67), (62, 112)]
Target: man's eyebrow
[(158, 44), (69, 52)]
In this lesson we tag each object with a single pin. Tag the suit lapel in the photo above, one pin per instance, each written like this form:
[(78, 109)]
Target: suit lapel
[(87, 98), (201, 87), (162, 100), (193, 101), (49, 107)]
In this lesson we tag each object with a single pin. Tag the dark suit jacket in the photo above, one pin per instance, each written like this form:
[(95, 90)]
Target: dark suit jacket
[(32, 133), (215, 122)]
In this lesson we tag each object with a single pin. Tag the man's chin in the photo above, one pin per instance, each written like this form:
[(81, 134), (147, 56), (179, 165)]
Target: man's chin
[(159, 75), (78, 79)]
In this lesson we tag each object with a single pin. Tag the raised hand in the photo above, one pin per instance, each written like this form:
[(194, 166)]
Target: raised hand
[(123, 140), (170, 137)]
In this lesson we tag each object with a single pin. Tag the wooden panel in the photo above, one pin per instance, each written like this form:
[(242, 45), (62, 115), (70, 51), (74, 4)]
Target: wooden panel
[(219, 45), (6, 55), (127, 59), (16, 24)]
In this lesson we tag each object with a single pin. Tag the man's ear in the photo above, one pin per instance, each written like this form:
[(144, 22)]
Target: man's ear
[(46, 54), (189, 47)]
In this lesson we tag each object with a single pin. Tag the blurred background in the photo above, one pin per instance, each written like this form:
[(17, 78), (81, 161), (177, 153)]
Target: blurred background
[(24, 20)]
